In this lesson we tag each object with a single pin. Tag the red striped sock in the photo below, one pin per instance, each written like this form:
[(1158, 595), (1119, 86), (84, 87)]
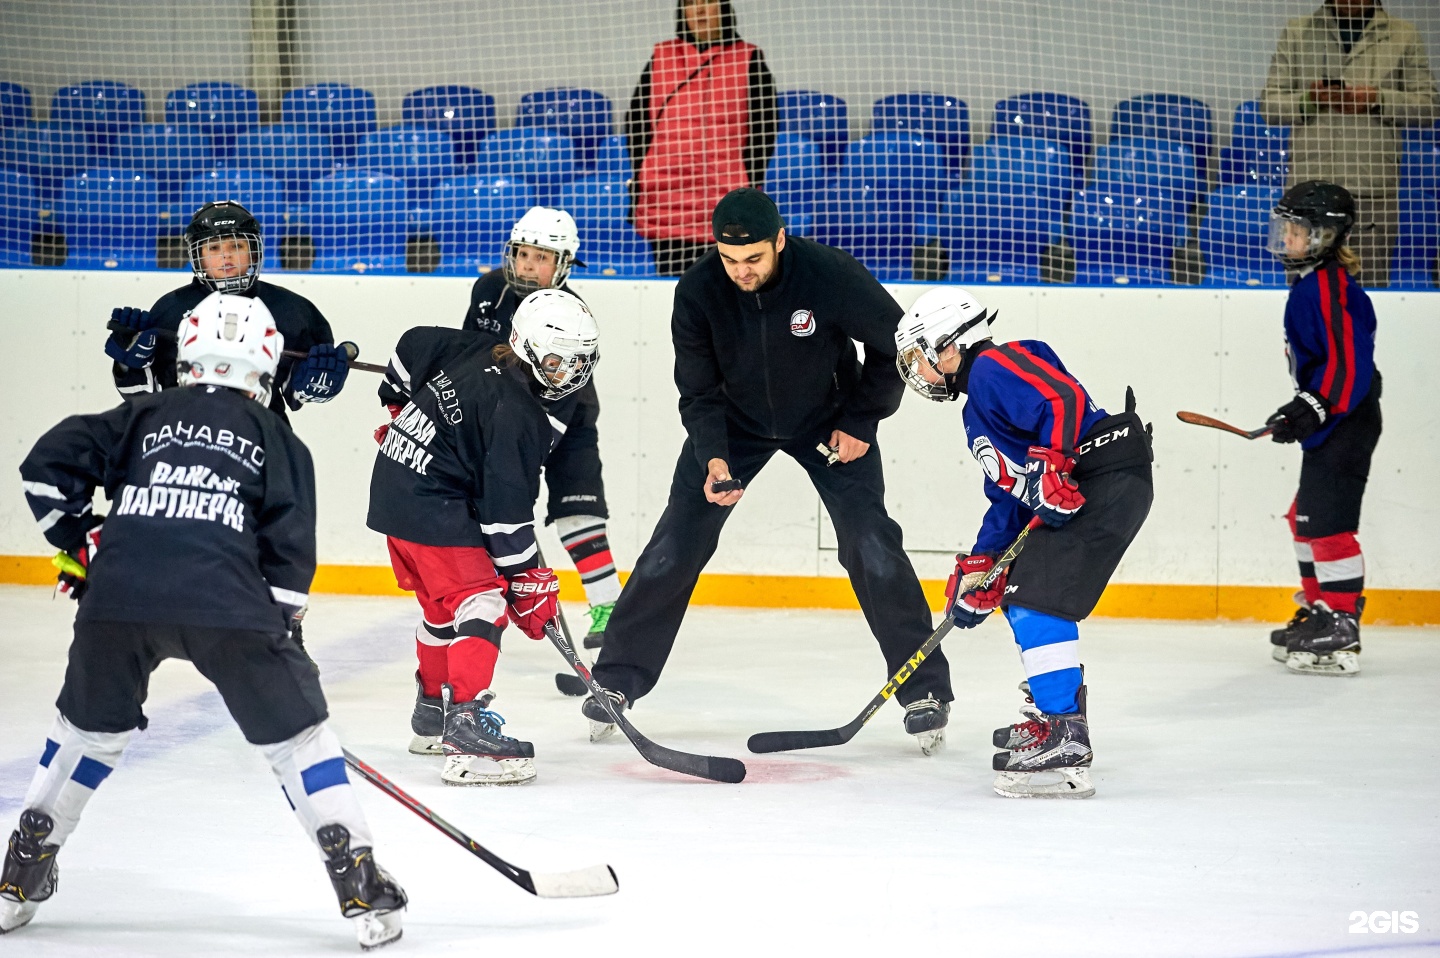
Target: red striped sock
[(472, 666), (432, 643), (1339, 570), (1305, 557)]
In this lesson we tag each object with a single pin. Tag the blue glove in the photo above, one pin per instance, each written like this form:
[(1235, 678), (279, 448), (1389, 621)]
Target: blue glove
[(132, 340), (318, 377)]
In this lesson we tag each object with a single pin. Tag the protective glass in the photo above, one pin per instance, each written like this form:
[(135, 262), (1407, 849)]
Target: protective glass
[(1294, 237)]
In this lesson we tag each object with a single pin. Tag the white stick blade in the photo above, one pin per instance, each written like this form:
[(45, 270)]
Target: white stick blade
[(583, 883)]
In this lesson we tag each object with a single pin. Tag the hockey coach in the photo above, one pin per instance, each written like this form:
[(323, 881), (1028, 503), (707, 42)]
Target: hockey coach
[(765, 360)]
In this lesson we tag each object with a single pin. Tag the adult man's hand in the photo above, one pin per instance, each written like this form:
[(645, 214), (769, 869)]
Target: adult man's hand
[(720, 472), (1358, 99), (847, 446)]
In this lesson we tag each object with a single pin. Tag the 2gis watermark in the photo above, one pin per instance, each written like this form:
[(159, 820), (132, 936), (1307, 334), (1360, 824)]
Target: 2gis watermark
[(1384, 922)]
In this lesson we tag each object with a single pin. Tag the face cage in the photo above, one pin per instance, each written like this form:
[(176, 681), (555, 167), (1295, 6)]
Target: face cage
[(576, 371), (231, 284), (908, 361), (563, 262), (1320, 239)]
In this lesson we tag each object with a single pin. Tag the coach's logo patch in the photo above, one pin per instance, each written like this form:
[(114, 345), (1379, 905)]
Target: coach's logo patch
[(802, 323)]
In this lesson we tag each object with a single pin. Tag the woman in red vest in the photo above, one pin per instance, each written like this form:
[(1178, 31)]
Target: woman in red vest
[(701, 123)]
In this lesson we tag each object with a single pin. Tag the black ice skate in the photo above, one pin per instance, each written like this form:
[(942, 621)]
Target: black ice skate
[(1328, 644), (1055, 765), (30, 874), (1022, 734), (926, 720), (366, 891), (1280, 638), (602, 726), (427, 722), (476, 752), (599, 619)]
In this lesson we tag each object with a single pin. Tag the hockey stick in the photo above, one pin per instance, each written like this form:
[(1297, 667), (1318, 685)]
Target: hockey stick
[(786, 741), (715, 768), (1200, 419), (584, 883), (349, 348), (567, 683)]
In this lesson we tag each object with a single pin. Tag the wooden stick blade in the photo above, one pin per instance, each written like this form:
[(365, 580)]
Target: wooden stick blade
[(1200, 419)]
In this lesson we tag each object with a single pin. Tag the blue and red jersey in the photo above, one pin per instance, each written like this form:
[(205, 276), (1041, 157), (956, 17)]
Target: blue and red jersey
[(1330, 343), (1019, 395)]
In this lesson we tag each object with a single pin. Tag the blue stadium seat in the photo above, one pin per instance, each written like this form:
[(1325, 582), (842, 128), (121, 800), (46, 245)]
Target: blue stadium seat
[(612, 158), (109, 219), (262, 195), (1146, 162), (421, 157), (16, 107), (18, 210), (100, 109), (1420, 165), (944, 119), (1009, 161), (467, 114), (293, 154), (46, 152), (794, 178), (545, 160), (903, 162), (1168, 116), (472, 219), (1417, 246), (1049, 116), (1125, 236), (822, 117), (1233, 236), (875, 225), (340, 111), (167, 154), (995, 231), (1257, 154), (357, 222), (582, 115), (609, 244), (216, 108)]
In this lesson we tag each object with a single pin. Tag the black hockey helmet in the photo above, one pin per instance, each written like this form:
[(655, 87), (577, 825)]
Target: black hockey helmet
[(224, 219), (1322, 213)]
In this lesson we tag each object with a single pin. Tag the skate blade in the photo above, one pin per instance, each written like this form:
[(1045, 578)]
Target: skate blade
[(931, 741), (1338, 663), (479, 770), (600, 731), (1279, 653), (16, 914), (426, 745), (376, 929), (1051, 783)]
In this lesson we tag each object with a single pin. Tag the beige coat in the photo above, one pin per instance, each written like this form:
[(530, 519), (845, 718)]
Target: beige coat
[(1359, 151)]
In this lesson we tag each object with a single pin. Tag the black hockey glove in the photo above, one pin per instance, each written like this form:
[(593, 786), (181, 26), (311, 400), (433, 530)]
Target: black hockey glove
[(1299, 418), (74, 564), (318, 377), (132, 342)]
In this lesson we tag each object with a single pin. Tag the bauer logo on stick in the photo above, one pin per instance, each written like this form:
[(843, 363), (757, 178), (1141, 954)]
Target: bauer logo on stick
[(802, 323)]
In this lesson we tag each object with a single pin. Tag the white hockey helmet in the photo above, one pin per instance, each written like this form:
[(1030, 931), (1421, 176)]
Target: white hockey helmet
[(231, 341), (556, 335), (546, 229), (940, 318)]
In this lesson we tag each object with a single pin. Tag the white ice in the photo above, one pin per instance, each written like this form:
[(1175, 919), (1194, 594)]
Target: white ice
[(1241, 810)]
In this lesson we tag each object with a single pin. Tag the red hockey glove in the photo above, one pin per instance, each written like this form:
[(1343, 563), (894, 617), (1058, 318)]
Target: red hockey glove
[(383, 429), (74, 565), (534, 600), (969, 604), (1049, 490)]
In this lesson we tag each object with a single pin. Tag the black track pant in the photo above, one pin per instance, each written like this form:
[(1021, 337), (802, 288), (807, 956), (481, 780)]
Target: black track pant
[(647, 617)]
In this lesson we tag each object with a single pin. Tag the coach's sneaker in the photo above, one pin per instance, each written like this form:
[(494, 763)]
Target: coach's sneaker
[(30, 874), (926, 720), (1328, 645), (599, 619), (427, 722), (366, 891), (602, 726), (476, 752), (1052, 761), (1280, 638)]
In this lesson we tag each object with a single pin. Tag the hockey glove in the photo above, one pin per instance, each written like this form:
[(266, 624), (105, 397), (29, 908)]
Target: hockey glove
[(534, 599), (318, 377), (382, 430), (74, 565), (1299, 418), (132, 346), (1049, 490), (969, 603)]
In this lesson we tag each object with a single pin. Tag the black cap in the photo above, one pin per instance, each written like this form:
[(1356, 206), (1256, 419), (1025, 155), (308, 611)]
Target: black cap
[(746, 216)]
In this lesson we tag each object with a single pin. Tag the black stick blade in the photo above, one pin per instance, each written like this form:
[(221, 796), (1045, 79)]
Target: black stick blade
[(790, 741), (570, 684)]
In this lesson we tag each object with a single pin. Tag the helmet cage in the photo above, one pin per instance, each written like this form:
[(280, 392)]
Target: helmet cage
[(523, 285), (227, 284), (560, 375), (916, 351)]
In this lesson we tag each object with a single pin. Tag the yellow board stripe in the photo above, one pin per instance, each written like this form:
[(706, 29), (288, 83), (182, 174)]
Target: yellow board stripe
[(1121, 600)]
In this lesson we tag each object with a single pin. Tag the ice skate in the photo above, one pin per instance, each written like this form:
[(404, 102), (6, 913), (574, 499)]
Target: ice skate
[(427, 722), (30, 874), (366, 891), (1328, 645), (601, 725), (476, 752), (1280, 638), (926, 720), (599, 619), (1055, 765)]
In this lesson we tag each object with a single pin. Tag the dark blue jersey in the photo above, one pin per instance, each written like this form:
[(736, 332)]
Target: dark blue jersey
[(212, 516), (492, 306), (1330, 343), (1019, 395)]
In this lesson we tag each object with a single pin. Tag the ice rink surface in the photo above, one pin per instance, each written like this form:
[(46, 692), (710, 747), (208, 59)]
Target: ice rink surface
[(1241, 810)]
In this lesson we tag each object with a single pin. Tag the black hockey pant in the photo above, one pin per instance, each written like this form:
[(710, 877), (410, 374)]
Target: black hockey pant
[(647, 617)]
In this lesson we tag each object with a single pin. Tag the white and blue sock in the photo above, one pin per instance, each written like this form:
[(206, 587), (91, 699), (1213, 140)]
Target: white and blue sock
[(1050, 652), (72, 767)]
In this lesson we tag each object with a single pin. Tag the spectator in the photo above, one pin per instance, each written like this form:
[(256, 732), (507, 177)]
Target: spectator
[(1346, 77), (701, 123)]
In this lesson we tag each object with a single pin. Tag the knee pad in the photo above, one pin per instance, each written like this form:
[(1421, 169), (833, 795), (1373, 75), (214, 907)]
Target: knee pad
[(72, 766), (483, 615), (310, 766)]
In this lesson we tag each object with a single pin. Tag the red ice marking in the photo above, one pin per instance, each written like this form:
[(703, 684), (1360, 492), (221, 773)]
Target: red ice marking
[(762, 771)]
